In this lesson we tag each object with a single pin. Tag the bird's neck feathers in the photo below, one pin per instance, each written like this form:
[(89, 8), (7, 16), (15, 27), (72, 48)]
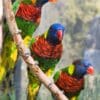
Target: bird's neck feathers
[(74, 71), (71, 69), (50, 38), (79, 72), (26, 1), (53, 40), (45, 35), (40, 3)]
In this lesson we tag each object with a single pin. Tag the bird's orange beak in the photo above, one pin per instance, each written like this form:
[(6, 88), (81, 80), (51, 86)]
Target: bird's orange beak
[(53, 1), (59, 35), (90, 70)]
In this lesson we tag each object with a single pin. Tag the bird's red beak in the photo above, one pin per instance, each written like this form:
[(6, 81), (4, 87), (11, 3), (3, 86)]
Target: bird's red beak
[(53, 1), (59, 35), (90, 70)]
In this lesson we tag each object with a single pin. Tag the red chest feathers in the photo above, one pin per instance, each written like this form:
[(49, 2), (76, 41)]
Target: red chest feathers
[(70, 84), (29, 12), (45, 50)]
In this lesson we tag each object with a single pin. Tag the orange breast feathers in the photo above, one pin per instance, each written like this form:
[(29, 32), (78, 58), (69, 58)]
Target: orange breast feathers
[(70, 84), (29, 12), (44, 49)]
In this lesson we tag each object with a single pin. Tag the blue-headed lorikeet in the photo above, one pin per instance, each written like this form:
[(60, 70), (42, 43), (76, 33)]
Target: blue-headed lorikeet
[(28, 15), (71, 79), (47, 50)]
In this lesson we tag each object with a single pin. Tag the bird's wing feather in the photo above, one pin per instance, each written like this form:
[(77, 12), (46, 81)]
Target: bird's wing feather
[(56, 76), (8, 57)]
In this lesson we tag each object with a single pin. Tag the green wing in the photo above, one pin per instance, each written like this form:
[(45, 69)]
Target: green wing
[(56, 76), (26, 27), (33, 86), (16, 5), (8, 56)]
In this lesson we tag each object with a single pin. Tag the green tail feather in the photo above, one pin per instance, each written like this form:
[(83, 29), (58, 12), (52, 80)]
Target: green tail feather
[(8, 56), (33, 86)]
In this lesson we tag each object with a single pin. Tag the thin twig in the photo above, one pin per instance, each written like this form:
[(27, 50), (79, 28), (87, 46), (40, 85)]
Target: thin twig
[(24, 52), (1, 33)]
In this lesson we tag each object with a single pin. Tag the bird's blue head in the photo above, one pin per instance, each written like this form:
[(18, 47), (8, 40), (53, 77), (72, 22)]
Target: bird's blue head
[(55, 33), (83, 67), (42, 2)]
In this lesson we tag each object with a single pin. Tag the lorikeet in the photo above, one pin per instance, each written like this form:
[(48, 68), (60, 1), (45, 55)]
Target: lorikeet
[(71, 79), (47, 50), (28, 15)]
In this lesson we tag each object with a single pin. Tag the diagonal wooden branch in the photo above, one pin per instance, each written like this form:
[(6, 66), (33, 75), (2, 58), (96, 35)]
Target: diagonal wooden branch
[(24, 52), (1, 33)]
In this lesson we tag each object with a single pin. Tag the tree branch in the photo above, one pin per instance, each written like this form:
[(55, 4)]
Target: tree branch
[(24, 52), (1, 33)]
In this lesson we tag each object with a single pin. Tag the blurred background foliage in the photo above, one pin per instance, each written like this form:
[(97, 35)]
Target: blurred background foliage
[(82, 37)]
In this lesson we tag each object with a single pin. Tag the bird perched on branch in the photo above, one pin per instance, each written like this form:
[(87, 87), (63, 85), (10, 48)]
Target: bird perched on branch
[(47, 50), (28, 16), (71, 79)]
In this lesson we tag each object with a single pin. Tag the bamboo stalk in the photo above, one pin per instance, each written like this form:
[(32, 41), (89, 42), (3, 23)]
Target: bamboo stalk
[(24, 52), (1, 33)]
